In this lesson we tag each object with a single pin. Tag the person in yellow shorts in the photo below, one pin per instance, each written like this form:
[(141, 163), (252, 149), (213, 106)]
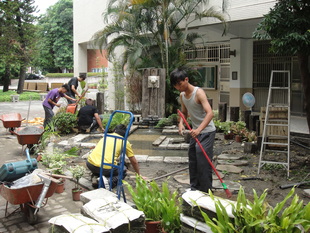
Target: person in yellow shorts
[(94, 159)]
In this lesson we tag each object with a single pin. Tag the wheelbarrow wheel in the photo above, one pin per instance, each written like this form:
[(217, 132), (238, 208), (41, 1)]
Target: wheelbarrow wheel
[(29, 214)]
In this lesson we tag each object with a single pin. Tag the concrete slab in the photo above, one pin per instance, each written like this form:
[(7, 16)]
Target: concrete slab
[(141, 158), (155, 159), (229, 168), (234, 162), (170, 159), (229, 157), (159, 140), (183, 179), (230, 185)]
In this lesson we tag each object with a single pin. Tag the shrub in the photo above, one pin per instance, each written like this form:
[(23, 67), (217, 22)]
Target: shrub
[(64, 122), (118, 118)]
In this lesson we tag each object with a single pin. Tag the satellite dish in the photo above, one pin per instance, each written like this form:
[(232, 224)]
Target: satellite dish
[(248, 99)]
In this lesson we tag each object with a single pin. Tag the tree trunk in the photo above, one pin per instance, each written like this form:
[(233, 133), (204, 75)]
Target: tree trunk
[(22, 75), (305, 75), (6, 78)]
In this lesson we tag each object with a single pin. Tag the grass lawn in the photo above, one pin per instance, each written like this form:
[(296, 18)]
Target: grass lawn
[(6, 96)]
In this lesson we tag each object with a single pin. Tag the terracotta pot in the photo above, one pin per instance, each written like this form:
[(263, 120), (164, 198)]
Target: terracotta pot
[(152, 227), (76, 192), (61, 186), (238, 138)]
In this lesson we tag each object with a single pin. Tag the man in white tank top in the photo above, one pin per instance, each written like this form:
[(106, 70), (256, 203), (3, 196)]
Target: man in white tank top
[(194, 104)]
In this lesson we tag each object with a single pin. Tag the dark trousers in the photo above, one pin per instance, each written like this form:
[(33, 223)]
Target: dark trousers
[(48, 115), (106, 172), (200, 171)]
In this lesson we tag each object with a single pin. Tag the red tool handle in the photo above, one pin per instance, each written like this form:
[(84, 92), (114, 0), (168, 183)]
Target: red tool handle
[(228, 193)]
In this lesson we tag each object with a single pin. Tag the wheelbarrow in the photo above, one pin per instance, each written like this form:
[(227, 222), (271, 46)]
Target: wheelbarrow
[(30, 198), (11, 121), (28, 135)]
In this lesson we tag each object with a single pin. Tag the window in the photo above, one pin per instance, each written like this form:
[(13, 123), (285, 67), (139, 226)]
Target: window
[(209, 74)]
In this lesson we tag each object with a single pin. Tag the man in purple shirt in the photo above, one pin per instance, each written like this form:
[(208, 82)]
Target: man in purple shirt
[(51, 100)]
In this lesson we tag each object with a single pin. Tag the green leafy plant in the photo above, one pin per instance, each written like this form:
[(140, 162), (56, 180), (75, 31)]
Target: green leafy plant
[(118, 118), (164, 122), (64, 122), (77, 173), (258, 216), (55, 160), (158, 204)]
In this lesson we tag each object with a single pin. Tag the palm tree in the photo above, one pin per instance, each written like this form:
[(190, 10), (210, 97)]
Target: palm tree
[(149, 31)]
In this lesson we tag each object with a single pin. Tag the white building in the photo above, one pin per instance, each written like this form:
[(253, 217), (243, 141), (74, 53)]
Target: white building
[(235, 62)]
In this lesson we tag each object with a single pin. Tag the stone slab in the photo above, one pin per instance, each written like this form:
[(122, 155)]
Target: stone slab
[(141, 158), (155, 159), (170, 131), (164, 143), (232, 186), (184, 146), (233, 162), (229, 168), (173, 147), (159, 140), (306, 193), (228, 157), (183, 178), (172, 159)]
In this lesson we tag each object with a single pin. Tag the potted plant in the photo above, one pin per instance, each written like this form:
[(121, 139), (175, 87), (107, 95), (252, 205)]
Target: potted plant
[(226, 128), (161, 207), (77, 173)]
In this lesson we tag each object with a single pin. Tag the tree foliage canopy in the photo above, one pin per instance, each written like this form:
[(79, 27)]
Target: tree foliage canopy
[(55, 32), (16, 38), (287, 25)]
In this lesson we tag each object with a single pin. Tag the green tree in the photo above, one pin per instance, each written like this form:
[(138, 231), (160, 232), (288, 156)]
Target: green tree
[(149, 30), (16, 41), (287, 25), (54, 48)]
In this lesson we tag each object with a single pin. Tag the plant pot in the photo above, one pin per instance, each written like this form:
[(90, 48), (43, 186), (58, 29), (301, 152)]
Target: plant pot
[(238, 138), (153, 227), (228, 136), (76, 192), (61, 186)]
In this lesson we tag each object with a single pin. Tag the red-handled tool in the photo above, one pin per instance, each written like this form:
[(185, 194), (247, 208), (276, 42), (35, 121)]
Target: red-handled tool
[(228, 193)]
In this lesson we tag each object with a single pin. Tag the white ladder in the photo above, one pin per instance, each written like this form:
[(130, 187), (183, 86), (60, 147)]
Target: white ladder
[(281, 124)]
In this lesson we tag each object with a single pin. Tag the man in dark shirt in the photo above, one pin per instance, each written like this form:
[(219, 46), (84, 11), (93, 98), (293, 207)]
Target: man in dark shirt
[(88, 117), (73, 84)]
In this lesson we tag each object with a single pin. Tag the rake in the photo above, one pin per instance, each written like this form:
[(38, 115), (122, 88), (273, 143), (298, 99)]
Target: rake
[(228, 193)]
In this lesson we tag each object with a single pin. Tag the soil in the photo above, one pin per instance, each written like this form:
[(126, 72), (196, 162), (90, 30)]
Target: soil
[(271, 177)]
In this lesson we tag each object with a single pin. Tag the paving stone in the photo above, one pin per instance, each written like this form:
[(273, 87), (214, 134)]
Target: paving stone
[(164, 144), (184, 146), (228, 157), (172, 159), (229, 168), (230, 185), (141, 158), (173, 147), (155, 159), (234, 162), (170, 131), (159, 140), (306, 192), (184, 159), (183, 179), (88, 145)]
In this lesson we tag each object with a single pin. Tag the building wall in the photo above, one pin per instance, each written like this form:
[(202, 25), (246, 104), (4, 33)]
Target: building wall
[(96, 59)]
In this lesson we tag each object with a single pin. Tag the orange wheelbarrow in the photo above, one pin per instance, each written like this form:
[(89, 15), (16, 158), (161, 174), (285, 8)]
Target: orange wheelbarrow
[(31, 198)]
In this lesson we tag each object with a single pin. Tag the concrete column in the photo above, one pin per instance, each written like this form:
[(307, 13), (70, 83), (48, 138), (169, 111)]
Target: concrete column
[(234, 114), (222, 111)]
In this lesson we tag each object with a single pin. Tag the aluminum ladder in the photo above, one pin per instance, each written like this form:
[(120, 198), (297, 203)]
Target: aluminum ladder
[(120, 165), (275, 126)]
